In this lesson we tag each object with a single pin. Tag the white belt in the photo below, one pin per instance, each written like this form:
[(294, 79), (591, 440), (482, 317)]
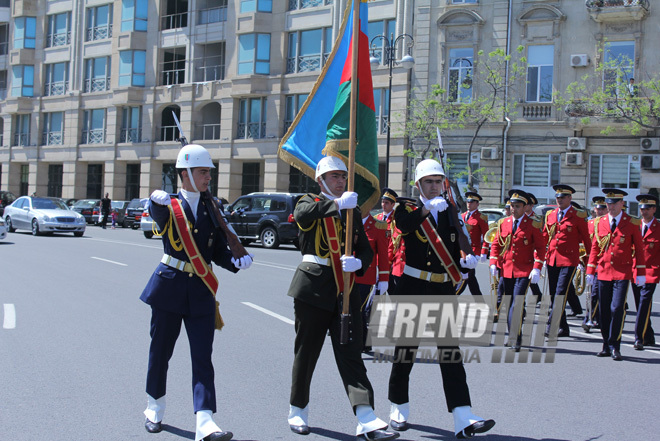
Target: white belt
[(181, 265), (425, 275), (311, 258)]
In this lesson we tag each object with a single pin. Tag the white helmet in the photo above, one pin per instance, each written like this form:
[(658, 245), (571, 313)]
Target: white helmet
[(328, 164), (428, 167), (193, 155)]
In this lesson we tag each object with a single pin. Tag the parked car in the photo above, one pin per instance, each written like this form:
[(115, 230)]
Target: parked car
[(147, 224), (120, 208), (43, 215), (3, 229), (6, 198), (134, 211), (267, 217), (494, 214), (543, 208), (86, 208)]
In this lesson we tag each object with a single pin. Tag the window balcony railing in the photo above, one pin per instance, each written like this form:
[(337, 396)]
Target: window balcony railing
[(381, 124), (22, 139), (212, 73), (209, 131), (52, 138), (307, 63), (176, 76), (99, 33), (58, 88), (61, 39), (613, 3), (130, 135), (94, 136), (169, 133), (537, 111), (251, 130), (303, 4), (212, 15), (97, 84), (174, 21), (287, 125)]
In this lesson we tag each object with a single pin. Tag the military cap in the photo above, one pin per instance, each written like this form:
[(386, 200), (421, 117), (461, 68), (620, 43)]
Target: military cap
[(507, 201), (518, 196), (562, 190), (647, 200), (598, 201), (576, 205), (532, 199), (389, 194), (473, 196), (613, 195)]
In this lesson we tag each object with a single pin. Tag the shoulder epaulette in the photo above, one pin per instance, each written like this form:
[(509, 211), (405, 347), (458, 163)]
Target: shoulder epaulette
[(582, 214), (410, 207), (547, 213), (536, 223), (635, 220), (484, 217), (381, 225)]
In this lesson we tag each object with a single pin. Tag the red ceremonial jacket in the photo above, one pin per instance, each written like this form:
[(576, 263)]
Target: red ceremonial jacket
[(651, 241), (477, 225), (377, 234), (564, 245), (396, 253), (622, 251), (518, 259)]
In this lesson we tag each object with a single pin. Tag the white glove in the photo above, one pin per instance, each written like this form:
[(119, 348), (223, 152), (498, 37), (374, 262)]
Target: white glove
[(640, 281), (535, 276), (347, 200), (484, 258), (580, 267), (464, 276), (493, 270), (242, 263), (382, 287), (436, 204), (161, 197), (590, 279), (469, 261), (350, 264)]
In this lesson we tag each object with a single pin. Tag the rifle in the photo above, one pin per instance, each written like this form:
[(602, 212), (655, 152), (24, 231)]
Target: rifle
[(235, 245)]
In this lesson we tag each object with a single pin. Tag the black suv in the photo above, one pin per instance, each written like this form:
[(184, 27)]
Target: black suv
[(267, 217), (134, 213)]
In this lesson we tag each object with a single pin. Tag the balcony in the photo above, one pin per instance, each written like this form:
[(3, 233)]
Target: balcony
[(174, 21), (251, 130), (94, 136), (61, 39), (208, 131), (52, 138), (56, 88), (212, 15), (613, 11), (21, 139), (537, 111), (99, 32), (304, 4), (130, 135), (97, 85)]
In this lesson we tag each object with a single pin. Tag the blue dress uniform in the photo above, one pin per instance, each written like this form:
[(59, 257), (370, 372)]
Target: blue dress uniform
[(178, 295)]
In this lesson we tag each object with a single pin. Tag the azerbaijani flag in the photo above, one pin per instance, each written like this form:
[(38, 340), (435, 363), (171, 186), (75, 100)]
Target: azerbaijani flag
[(321, 127)]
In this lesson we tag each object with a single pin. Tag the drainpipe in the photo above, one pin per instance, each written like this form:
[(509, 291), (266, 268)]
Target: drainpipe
[(506, 136), (506, 99)]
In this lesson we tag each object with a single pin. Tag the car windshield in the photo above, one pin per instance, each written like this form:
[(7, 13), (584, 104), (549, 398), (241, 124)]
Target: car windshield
[(135, 203), (118, 204), (86, 203), (48, 204)]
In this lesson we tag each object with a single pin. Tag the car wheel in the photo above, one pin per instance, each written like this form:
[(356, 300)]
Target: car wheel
[(78, 233), (35, 227), (269, 238), (148, 234), (10, 227)]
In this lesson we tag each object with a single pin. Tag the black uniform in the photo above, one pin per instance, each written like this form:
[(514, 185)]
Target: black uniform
[(317, 306), (420, 255)]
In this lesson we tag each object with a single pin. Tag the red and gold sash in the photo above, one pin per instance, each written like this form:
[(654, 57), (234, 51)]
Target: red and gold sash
[(334, 248), (198, 263), (441, 251)]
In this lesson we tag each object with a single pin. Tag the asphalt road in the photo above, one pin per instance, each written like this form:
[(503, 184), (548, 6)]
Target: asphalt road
[(75, 336)]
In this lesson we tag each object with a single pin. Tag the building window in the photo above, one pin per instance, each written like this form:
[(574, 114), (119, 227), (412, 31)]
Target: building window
[(93, 127), (99, 22), (381, 101), (619, 67), (94, 181), (308, 50), (59, 30), (132, 68), (57, 79), (303, 4), (614, 171), (97, 74), (461, 2), (256, 5), (3, 85), (251, 177), (537, 174), (22, 82), (176, 15), (293, 105), (169, 178), (53, 129), (174, 66), (299, 182), (214, 14), (254, 54), (540, 60), (24, 180), (211, 65), (4, 38), (22, 130), (252, 118), (132, 181), (457, 169), (131, 124), (169, 130), (55, 174), (382, 27), (25, 31), (460, 75), (134, 15)]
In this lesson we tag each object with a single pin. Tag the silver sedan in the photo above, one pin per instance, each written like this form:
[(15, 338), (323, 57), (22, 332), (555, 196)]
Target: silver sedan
[(43, 215)]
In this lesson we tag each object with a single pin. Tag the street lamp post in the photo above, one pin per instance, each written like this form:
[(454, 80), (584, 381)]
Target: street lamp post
[(389, 59)]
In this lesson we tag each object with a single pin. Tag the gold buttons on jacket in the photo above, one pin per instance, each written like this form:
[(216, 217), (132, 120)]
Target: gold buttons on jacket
[(190, 274), (195, 231)]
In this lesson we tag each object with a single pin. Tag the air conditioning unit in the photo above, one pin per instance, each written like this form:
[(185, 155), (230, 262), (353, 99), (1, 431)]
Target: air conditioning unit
[(576, 144), (489, 153), (574, 159), (649, 144), (579, 60), (650, 162)]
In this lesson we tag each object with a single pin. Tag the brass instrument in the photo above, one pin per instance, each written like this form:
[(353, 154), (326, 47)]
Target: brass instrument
[(489, 237), (579, 279)]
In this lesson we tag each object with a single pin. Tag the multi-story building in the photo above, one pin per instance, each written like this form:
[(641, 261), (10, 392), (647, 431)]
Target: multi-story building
[(88, 89)]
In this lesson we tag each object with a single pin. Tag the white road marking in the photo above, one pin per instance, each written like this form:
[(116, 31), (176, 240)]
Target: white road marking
[(272, 265), (109, 261), (270, 313), (9, 321), (116, 242)]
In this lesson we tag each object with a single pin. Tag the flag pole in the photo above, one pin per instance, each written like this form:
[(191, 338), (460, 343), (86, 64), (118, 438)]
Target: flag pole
[(345, 315)]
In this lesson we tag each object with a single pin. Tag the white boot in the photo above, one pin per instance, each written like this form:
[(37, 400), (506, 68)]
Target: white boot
[(155, 409), (367, 420), (466, 424), (205, 424), (298, 419), (399, 414)]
